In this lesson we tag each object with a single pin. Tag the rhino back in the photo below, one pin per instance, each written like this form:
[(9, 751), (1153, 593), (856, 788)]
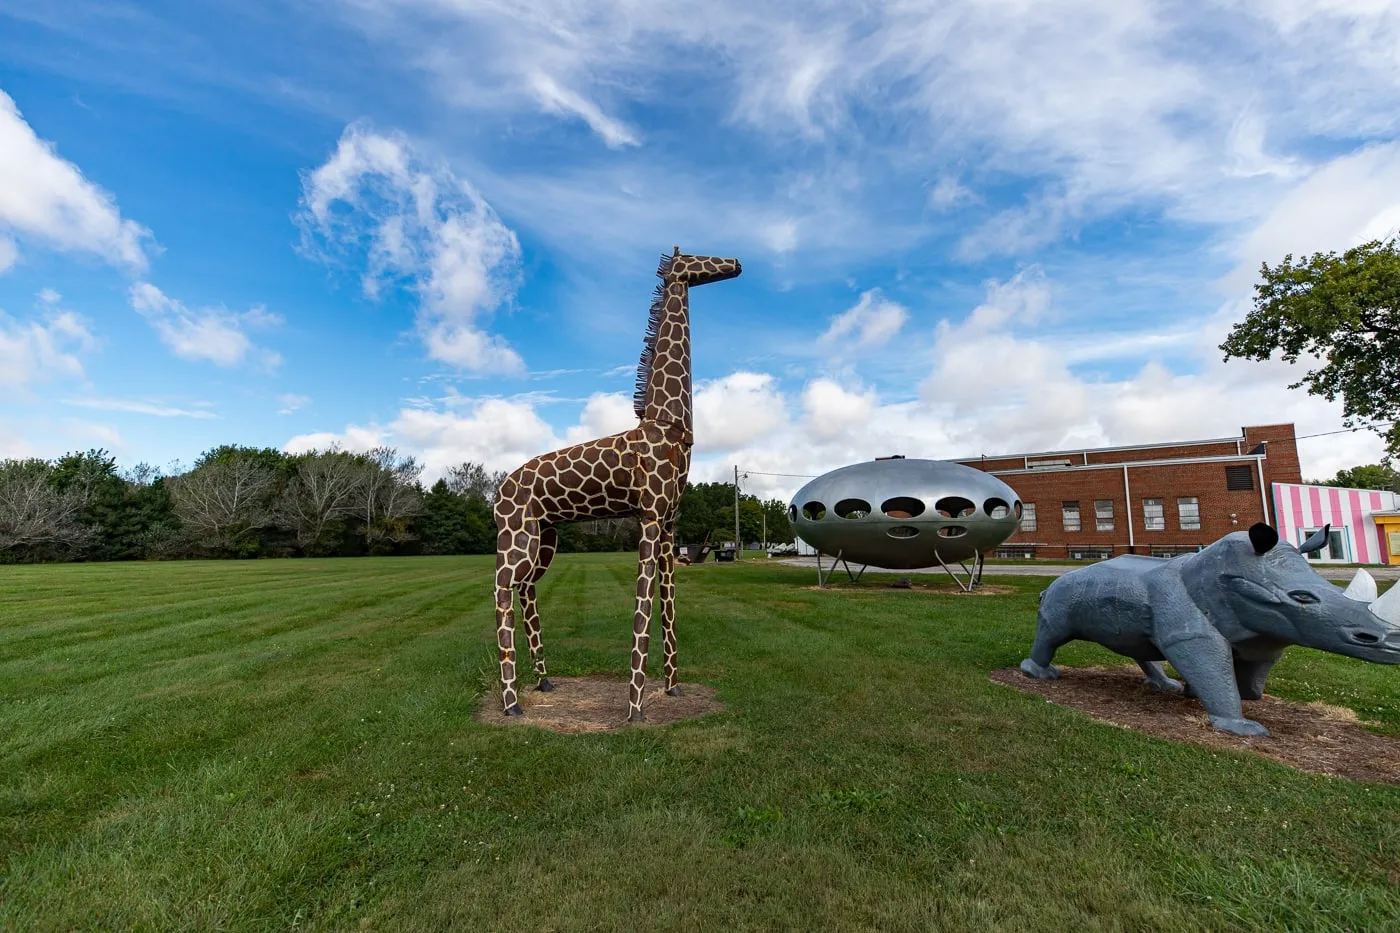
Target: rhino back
[(1109, 602)]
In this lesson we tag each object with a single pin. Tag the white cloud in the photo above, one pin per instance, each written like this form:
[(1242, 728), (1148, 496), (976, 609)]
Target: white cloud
[(355, 438), (949, 193), (1352, 199), (736, 410), (604, 414), (868, 325), (206, 334), (556, 99), (291, 402), (138, 407), (43, 349), (421, 225), (1209, 111), (45, 197)]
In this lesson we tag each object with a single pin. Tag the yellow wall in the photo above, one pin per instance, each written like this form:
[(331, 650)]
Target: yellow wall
[(1390, 527)]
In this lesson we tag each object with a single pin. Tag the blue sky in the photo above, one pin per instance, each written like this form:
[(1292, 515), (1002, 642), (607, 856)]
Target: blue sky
[(965, 227)]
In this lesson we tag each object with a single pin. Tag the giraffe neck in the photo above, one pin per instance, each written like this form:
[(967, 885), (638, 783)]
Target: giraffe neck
[(668, 383)]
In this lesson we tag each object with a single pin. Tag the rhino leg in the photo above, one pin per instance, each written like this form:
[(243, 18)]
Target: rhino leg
[(1250, 677), (1050, 634), (1206, 663), (1156, 677)]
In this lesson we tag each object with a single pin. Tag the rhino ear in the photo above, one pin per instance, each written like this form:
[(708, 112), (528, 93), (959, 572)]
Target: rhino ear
[(1317, 541), (1263, 537)]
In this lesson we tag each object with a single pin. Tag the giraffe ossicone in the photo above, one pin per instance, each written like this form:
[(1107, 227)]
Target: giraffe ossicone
[(641, 472)]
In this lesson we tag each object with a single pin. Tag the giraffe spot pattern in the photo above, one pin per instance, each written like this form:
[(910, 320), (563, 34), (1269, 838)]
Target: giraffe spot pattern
[(639, 472)]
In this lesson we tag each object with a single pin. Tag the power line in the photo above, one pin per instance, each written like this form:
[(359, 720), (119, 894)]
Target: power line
[(795, 475), (1363, 427)]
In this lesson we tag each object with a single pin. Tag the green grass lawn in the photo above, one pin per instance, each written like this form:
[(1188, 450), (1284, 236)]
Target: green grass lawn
[(275, 744)]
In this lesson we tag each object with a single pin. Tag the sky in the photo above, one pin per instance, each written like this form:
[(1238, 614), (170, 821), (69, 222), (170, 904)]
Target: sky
[(992, 226)]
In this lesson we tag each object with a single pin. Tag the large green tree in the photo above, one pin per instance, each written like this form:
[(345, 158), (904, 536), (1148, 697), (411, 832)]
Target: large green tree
[(1344, 310), (1367, 476)]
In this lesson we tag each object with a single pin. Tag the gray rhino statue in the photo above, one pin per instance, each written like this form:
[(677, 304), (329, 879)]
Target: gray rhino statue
[(1221, 616)]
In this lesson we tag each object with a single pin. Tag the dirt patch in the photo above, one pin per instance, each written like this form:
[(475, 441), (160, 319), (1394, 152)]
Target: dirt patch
[(1312, 737), (599, 704), (928, 589)]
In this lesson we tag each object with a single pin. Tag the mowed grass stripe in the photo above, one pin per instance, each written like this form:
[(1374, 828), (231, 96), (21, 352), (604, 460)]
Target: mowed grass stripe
[(328, 774), (115, 617)]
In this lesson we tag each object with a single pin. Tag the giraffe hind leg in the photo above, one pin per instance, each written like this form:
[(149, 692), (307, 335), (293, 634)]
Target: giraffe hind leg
[(666, 591), (529, 606)]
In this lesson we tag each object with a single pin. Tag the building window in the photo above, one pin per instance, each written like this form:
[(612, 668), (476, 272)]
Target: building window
[(1028, 516), (1070, 511), (1152, 517), (1188, 510), (1239, 478), (1334, 549), (1103, 514)]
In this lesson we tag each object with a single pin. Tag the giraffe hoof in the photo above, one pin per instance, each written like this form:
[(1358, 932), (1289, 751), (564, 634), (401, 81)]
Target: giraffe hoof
[(636, 718), (514, 710), (545, 685), (674, 692)]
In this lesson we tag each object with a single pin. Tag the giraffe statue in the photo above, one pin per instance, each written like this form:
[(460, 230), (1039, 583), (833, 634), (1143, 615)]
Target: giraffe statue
[(640, 472)]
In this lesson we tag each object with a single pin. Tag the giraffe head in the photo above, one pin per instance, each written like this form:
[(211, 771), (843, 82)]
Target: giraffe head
[(699, 270)]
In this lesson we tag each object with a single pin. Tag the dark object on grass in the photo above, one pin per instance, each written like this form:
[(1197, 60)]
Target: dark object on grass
[(903, 583), (724, 555), (1221, 616)]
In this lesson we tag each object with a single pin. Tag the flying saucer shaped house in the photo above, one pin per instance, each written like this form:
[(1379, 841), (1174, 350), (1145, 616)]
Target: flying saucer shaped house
[(904, 514)]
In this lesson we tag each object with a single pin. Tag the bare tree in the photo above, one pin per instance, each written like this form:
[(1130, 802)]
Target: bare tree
[(472, 480), (143, 474), (222, 499), (388, 494), (33, 512), (322, 490)]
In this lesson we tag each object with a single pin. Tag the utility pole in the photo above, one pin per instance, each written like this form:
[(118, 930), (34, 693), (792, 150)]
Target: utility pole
[(738, 544)]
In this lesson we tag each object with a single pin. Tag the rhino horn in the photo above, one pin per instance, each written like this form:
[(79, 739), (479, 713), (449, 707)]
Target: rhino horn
[(1362, 588), (1317, 541), (1388, 606)]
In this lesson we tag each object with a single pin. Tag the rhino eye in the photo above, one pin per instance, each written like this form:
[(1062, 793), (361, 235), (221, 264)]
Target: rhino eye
[(1304, 597)]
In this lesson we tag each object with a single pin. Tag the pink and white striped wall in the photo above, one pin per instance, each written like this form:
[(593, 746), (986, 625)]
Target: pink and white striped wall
[(1299, 508)]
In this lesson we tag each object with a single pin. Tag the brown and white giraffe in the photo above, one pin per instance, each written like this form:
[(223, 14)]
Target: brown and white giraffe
[(640, 472)]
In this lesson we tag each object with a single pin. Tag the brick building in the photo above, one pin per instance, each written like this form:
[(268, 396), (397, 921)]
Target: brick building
[(1161, 499)]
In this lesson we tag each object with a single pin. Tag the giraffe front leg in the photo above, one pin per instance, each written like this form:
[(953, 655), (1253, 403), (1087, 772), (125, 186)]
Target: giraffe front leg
[(666, 584), (505, 640), (647, 552)]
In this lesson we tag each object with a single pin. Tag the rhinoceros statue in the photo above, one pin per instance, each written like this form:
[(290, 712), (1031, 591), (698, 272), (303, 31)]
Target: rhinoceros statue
[(1221, 616)]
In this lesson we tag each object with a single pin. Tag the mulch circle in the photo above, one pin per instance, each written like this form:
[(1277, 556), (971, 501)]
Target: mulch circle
[(1311, 737), (599, 704)]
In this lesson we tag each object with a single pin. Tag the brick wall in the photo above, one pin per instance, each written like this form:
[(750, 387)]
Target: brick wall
[(1221, 509)]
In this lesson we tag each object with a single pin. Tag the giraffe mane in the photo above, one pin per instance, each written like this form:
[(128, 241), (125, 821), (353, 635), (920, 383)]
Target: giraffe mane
[(658, 311)]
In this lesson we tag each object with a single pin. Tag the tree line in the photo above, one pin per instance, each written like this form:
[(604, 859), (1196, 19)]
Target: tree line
[(247, 502)]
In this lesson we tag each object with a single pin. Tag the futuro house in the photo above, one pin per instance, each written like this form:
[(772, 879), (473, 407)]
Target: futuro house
[(905, 514)]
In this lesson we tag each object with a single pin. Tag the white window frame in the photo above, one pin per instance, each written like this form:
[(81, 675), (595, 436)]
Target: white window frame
[(1078, 516), (1148, 519), (1103, 520), (1028, 516), (1181, 515)]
